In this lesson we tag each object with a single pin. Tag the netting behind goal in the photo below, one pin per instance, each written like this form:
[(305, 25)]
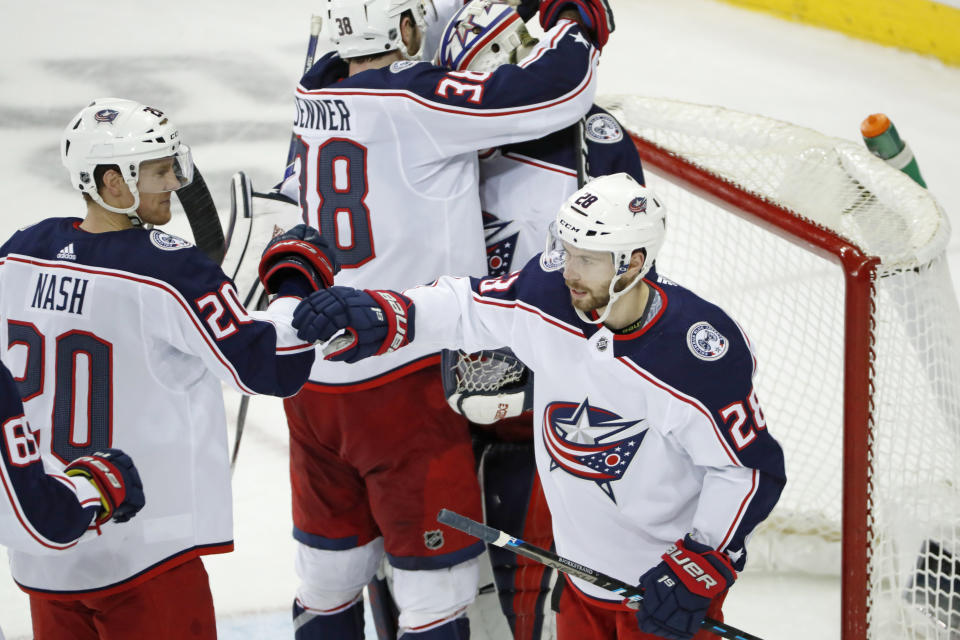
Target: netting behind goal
[(834, 265)]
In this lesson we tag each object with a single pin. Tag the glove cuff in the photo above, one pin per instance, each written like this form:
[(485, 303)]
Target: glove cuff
[(399, 312), (703, 570)]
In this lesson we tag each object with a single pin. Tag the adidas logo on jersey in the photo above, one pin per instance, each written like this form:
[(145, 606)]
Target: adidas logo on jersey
[(67, 253)]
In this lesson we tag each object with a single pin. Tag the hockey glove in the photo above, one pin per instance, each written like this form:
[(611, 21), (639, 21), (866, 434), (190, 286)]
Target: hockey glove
[(298, 261), (596, 17), (116, 479), (377, 322), (678, 591)]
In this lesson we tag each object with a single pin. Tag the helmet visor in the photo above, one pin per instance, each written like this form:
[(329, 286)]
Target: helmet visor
[(554, 255), (166, 174)]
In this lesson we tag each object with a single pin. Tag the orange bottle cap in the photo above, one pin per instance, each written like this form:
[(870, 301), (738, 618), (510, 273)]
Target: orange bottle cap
[(874, 125)]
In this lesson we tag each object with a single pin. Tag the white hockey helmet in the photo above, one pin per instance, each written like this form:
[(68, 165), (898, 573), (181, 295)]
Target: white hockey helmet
[(368, 27), (612, 213), (481, 36), (113, 131)]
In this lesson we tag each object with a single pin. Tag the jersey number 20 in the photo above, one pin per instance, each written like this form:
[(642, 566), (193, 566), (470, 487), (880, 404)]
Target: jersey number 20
[(83, 381), (342, 217)]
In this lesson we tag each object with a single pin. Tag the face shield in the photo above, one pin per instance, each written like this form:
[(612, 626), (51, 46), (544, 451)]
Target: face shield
[(161, 175), (554, 256)]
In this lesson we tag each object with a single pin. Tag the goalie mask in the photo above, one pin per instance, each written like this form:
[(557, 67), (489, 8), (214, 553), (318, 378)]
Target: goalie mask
[(370, 27), (112, 131), (613, 214), (483, 35)]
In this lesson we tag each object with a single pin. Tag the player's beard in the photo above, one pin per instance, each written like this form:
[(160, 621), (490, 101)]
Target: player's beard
[(595, 298)]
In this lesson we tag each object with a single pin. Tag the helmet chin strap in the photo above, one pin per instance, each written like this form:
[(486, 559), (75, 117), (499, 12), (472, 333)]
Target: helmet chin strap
[(614, 295), (130, 212)]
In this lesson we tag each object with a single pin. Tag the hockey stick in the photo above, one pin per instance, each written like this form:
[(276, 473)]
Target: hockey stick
[(583, 170), (316, 25), (632, 594), (203, 218)]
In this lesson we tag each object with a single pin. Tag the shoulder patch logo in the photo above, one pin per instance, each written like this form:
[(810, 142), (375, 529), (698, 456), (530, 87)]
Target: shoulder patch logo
[(167, 242), (603, 128), (705, 342), (401, 65)]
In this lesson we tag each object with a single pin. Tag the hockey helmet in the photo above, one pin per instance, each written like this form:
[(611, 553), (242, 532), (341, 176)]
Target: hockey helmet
[(612, 213), (368, 27), (113, 131), (481, 36)]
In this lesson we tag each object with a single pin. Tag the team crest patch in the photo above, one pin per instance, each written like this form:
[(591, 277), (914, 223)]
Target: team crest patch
[(638, 205), (401, 65), (167, 242), (106, 115), (591, 443), (705, 342), (433, 539), (603, 128)]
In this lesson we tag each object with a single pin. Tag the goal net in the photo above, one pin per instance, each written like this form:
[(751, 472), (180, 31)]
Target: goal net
[(833, 263)]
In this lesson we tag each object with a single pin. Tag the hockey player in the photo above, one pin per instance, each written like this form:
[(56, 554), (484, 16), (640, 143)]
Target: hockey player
[(375, 128), (123, 334), (651, 446), (49, 512), (41, 511), (521, 187)]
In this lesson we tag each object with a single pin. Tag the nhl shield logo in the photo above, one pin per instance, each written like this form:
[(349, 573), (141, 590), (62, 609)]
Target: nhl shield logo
[(705, 342), (433, 539)]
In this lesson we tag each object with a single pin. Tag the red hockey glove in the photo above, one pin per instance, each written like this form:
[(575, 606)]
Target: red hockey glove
[(116, 479), (596, 17), (299, 255), (678, 591), (377, 321)]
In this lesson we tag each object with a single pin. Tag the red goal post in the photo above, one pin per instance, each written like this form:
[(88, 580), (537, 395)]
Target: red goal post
[(833, 262)]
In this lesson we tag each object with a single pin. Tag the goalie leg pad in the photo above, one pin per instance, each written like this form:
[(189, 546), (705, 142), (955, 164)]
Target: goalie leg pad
[(331, 579), (429, 599), (514, 501), (345, 623)]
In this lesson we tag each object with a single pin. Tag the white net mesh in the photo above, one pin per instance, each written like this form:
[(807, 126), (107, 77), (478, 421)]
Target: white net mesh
[(790, 301)]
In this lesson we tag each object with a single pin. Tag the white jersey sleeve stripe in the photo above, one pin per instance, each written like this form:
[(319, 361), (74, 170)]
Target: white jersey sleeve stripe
[(487, 113), (693, 402), (540, 164), (151, 282), (21, 517), (742, 511)]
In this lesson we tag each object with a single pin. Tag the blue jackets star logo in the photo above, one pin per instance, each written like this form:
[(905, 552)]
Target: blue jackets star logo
[(591, 443)]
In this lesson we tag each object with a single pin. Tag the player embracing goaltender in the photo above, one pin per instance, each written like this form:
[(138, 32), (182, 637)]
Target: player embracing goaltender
[(650, 442), (119, 335)]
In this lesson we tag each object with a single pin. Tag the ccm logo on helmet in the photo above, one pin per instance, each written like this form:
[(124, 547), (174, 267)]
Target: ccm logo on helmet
[(567, 225), (691, 567)]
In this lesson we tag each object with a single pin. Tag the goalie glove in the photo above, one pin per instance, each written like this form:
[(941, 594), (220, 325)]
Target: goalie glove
[(487, 386), (297, 262), (375, 322), (114, 476), (679, 590)]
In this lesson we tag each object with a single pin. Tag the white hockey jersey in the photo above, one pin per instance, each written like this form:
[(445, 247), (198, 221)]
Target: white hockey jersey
[(121, 340), (639, 438), (522, 185), (40, 511), (387, 166)]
